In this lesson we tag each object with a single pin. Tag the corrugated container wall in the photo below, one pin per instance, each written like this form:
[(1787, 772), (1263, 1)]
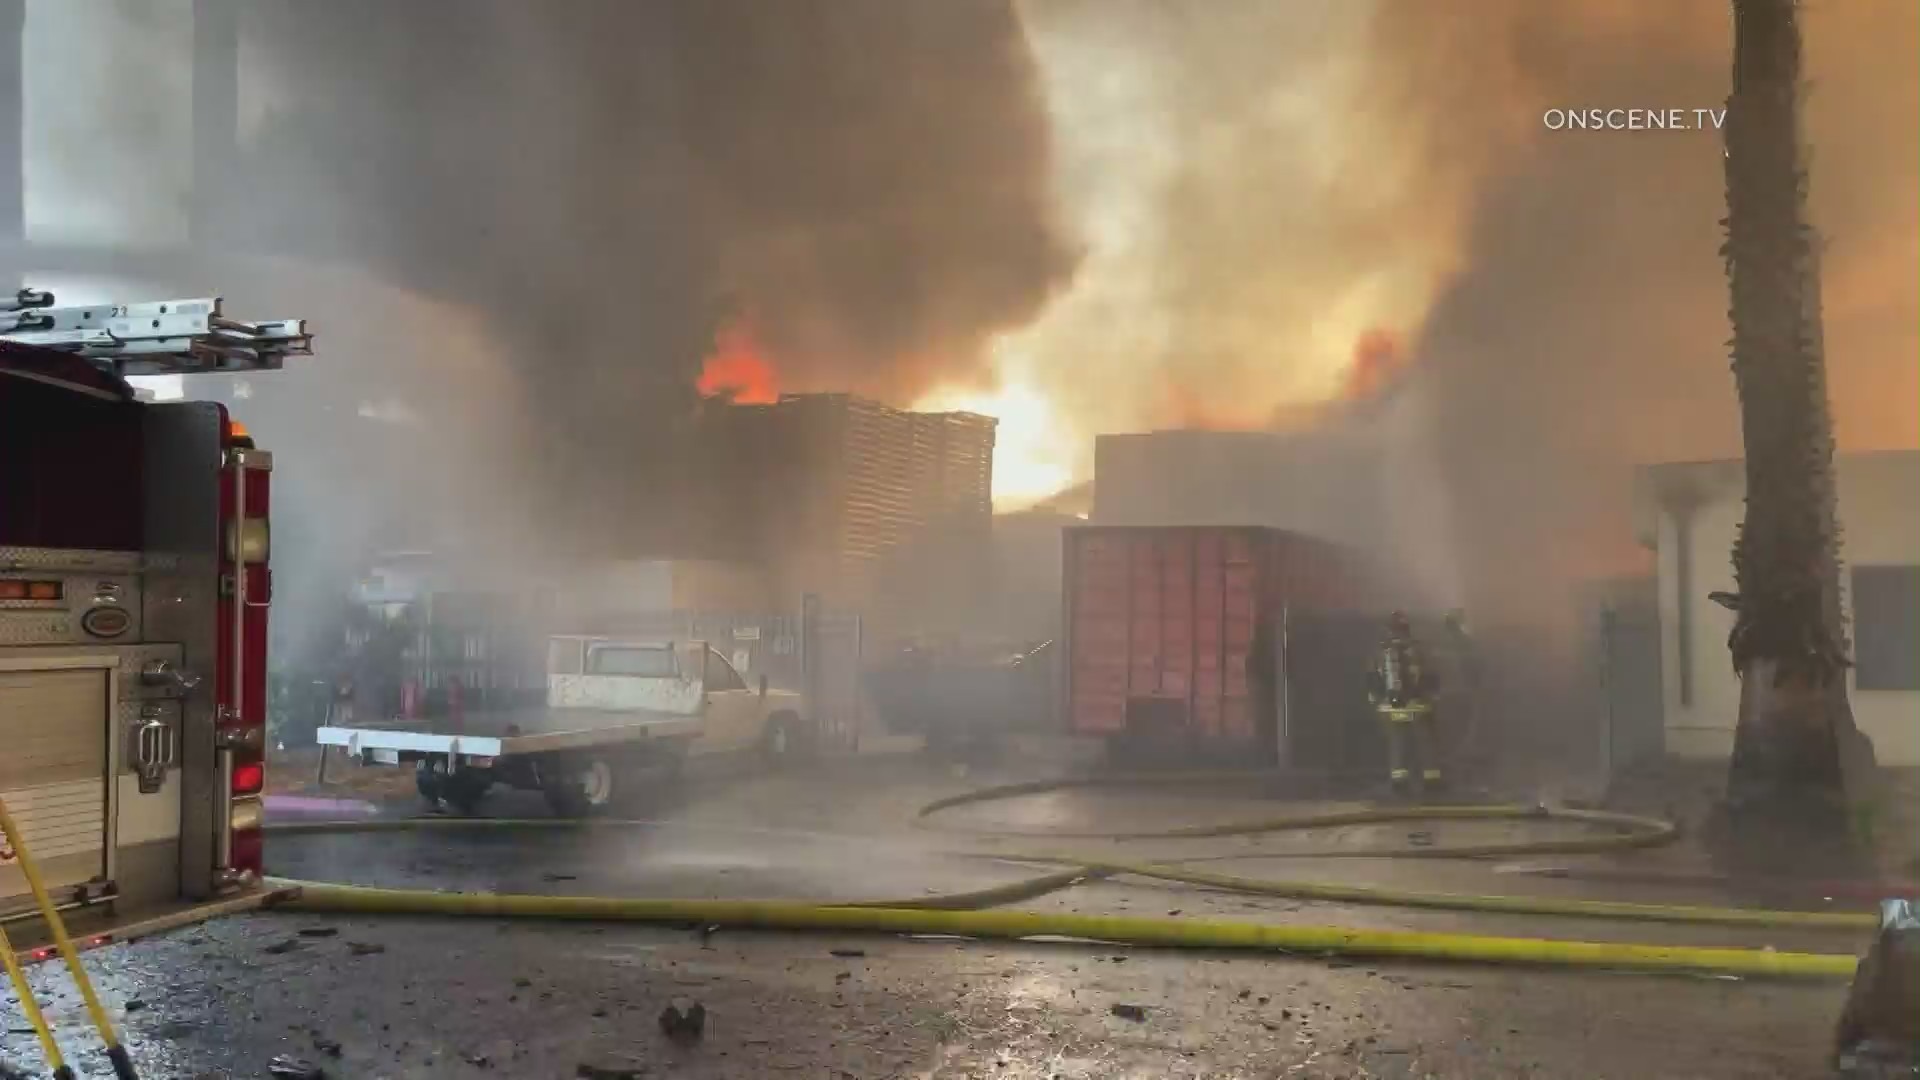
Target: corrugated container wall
[(876, 509), (1162, 623)]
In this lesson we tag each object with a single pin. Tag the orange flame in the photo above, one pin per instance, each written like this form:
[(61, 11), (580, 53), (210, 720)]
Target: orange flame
[(1377, 365), (1182, 407), (738, 368)]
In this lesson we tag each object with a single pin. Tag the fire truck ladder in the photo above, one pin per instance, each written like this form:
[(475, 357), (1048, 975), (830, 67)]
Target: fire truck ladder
[(163, 337)]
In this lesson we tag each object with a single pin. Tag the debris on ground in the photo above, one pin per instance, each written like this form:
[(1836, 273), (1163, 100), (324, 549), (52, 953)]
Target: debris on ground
[(596, 1072), (289, 1068), (319, 931), (478, 1061), (559, 877), (134, 1005), (846, 952), (326, 1046), (280, 948), (684, 1020), (1135, 1013), (365, 948)]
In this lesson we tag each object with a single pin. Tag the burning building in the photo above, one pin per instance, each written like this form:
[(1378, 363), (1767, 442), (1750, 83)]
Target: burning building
[(1323, 483)]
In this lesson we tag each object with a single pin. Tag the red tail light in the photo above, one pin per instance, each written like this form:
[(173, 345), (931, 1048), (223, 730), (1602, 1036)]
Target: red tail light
[(249, 777)]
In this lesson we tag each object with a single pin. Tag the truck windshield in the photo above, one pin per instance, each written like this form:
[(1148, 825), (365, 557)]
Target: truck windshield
[(646, 663)]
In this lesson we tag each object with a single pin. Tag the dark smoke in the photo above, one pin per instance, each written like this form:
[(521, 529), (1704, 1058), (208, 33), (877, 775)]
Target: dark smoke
[(609, 179), (1586, 331), (570, 198), (872, 179)]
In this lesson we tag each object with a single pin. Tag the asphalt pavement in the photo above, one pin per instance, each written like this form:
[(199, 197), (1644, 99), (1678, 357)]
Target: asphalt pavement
[(440, 997)]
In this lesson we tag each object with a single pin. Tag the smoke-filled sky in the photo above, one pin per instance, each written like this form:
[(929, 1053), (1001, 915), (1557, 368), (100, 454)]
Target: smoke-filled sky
[(1083, 215), (1262, 182)]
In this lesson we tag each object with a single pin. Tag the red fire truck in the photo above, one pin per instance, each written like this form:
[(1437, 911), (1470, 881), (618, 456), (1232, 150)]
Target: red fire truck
[(133, 601)]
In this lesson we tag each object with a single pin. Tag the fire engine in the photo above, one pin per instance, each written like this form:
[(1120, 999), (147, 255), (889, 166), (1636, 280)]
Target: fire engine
[(134, 591)]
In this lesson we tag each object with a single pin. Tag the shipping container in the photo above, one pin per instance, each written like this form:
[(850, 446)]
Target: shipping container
[(1167, 629)]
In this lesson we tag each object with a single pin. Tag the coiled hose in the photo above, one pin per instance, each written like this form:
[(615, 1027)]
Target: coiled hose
[(968, 914)]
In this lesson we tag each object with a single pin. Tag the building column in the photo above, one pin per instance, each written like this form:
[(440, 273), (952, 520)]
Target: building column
[(13, 85), (216, 114)]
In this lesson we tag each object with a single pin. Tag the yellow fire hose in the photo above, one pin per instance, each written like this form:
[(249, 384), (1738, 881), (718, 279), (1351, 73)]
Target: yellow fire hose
[(964, 914), (122, 1064), (1130, 930), (31, 1007)]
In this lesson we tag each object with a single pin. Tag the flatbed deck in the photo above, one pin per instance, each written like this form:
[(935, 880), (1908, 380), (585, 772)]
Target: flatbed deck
[(512, 733)]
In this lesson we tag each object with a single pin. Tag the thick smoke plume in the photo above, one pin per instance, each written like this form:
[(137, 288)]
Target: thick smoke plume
[(606, 184), (1294, 175), (871, 179), (520, 227)]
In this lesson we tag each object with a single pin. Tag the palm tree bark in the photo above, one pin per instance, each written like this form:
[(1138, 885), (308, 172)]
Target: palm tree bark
[(1798, 758)]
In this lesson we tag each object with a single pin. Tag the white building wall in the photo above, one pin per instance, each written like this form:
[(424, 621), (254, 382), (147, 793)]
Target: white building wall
[(1880, 521)]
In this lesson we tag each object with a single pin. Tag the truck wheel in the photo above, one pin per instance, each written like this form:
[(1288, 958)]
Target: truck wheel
[(430, 781), (780, 743), (464, 790), (788, 739), (583, 789)]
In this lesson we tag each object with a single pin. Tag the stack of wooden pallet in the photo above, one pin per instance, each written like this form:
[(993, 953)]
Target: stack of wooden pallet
[(878, 509)]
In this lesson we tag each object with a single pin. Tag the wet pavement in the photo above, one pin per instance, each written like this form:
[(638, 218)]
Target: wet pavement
[(418, 997)]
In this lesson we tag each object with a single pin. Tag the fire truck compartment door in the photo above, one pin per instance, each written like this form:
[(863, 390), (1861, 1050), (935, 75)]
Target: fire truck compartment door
[(54, 755)]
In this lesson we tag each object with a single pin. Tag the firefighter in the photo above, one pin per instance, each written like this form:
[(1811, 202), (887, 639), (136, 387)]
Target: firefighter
[(1402, 686)]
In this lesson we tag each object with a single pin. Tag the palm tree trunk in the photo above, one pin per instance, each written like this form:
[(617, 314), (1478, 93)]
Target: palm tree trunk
[(1797, 757)]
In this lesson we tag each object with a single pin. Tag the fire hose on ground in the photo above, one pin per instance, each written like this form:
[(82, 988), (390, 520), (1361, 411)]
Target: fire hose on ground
[(974, 914)]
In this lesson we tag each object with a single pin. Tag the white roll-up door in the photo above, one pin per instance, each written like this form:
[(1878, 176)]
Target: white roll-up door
[(53, 768)]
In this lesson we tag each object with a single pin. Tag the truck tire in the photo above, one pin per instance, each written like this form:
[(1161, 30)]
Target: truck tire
[(779, 745), (583, 787), (464, 790), (429, 779)]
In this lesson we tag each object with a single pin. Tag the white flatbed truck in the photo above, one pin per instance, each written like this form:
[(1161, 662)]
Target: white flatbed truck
[(614, 707)]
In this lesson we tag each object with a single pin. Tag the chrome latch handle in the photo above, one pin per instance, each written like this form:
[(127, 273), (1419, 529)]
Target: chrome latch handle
[(154, 750)]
